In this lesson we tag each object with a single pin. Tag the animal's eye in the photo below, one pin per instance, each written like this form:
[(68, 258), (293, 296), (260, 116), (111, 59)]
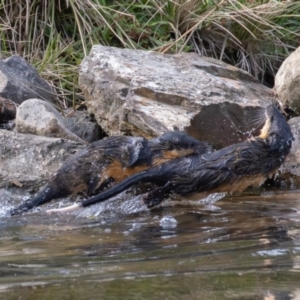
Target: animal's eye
[(272, 118)]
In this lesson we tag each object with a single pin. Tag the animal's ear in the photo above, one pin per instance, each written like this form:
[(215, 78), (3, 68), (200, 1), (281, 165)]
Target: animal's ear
[(133, 156), (136, 150)]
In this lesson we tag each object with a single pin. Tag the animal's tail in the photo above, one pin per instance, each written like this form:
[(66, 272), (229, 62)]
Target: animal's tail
[(45, 196), (144, 176)]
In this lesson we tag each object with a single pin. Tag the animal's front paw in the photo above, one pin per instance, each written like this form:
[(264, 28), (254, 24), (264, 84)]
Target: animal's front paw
[(154, 197)]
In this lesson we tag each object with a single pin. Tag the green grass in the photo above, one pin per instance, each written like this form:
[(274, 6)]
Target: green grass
[(55, 35)]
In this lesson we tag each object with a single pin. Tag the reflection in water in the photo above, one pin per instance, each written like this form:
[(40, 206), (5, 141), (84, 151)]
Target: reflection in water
[(239, 247)]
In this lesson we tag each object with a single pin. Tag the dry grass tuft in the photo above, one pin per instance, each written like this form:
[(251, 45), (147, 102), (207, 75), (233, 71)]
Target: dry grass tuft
[(55, 35)]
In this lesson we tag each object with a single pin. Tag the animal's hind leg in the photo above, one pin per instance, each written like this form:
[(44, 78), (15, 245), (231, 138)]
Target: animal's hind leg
[(92, 186), (157, 195)]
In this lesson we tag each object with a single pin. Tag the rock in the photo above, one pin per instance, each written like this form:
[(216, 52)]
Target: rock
[(28, 160), (80, 123), (147, 93), (292, 163), (40, 117), (20, 81), (287, 81), (7, 112)]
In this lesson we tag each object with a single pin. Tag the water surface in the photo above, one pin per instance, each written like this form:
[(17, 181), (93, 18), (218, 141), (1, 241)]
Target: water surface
[(239, 247)]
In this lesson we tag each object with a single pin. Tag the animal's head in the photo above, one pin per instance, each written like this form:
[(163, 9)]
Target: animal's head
[(178, 140), (276, 129)]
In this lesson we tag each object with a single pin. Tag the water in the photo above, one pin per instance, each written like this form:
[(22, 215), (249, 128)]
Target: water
[(241, 247)]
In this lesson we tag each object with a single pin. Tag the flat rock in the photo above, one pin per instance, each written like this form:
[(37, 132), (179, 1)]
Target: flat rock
[(28, 160), (147, 93)]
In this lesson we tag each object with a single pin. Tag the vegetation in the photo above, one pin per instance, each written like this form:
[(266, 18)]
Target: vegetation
[(54, 35)]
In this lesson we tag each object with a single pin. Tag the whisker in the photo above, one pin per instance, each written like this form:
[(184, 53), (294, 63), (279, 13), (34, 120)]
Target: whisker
[(258, 121)]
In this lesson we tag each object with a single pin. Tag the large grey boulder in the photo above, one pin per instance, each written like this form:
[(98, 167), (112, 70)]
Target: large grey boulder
[(40, 117), (287, 81), (147, 93), (292, 163), (20, 81)]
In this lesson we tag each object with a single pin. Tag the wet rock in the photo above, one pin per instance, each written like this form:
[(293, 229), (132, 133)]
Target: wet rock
[(40, 117), (28, 160), (20, 81), (80, 123), (147, 93), (287, 82), (292, 163)]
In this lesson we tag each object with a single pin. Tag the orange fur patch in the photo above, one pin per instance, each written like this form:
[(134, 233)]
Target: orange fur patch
[(116, 171), (240, 185), (264, 133)]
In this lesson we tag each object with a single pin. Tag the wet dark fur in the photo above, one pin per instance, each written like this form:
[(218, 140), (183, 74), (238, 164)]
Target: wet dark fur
[(233, 168), (113, 159)]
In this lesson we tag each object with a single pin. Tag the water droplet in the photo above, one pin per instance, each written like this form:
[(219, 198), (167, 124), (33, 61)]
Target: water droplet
[(168, 222)]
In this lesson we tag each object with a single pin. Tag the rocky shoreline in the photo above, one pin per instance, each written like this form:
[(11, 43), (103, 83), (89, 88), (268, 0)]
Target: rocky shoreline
[(132, 92)]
